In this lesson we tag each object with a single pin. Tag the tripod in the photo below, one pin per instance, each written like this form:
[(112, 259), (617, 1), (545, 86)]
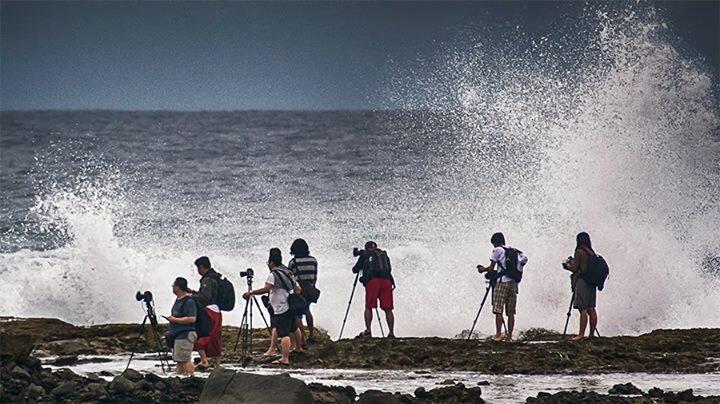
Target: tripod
[(567, 320), (246, 324), (150, 314), (487, 291), (357, 276)]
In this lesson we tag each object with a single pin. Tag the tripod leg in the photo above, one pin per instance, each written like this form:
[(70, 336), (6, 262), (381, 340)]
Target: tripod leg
[(244, 318), (349, 303), (478, 313), (261, 314), (140, 334), (382, 332), (567, 320)]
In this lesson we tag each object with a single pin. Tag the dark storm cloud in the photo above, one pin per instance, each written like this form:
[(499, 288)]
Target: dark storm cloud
[(239, 55)]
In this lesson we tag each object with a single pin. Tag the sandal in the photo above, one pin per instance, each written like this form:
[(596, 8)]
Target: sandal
[(364, 334)]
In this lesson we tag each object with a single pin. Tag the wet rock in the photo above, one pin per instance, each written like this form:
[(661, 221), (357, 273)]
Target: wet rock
[(625, 389), (483, 383), (132, 375), (34, 391), (378, 397), (153, 378), (76, 346), (66, 360), (64, 389), (457, 393), (96, 391), (20, 373), (144, 385), (121, 384), (332, 394), (224, 385), (160, 386), (447, 382), (105, 373)]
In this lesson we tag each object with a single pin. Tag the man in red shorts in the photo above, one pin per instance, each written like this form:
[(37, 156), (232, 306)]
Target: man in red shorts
[(379, 284), (206, 297)]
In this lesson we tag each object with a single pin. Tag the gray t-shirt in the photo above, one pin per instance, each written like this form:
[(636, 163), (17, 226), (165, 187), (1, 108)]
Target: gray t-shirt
[(185, 307), (278, 293)]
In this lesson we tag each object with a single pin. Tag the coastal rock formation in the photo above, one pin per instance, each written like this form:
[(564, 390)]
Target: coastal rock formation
[(229, 386)]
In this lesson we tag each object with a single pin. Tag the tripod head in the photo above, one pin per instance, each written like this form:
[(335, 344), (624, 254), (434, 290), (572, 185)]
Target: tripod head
[(147, 297), (249, 274)]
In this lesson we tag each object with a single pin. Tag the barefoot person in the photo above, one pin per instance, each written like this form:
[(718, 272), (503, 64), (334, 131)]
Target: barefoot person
[(181, 328), (206, 297), (284, 322), (379, 284), (305, 267), (585, 293), (506, 266)]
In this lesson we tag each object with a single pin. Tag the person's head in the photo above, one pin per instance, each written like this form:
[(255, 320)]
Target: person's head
[(583, 239), (299, 248), (275, 259), (203, 265), (370, 246), (497, 239), (180, 286)]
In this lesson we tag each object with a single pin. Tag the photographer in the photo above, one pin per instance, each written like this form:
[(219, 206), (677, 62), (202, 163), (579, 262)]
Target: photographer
[(505, 290), (304, 267), (206, 297), (181, 327), (283, 320), (585, 293), (379, 284)]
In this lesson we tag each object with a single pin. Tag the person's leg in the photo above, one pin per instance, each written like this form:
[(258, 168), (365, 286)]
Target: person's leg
[(180, 368), (498, 327), (285, 346), (510, 326), (273, 342), (368, 319), (189, 368), (300, 329), (310, 325), (297, 340), (583, 324), (216, 362), (592, 314), (390, 317), (203, 358)]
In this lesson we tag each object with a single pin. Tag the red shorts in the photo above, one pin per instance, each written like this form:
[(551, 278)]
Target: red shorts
[(381, 289), (212, 344)]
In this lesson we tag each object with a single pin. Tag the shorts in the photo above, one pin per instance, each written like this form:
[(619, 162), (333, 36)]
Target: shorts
[(212, 344), (505, 296), (585, 295), (379, 288), (284, 323), (182, 348)]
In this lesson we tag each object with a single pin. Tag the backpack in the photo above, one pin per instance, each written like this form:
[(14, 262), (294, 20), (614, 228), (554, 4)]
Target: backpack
[(297, 303), (597, 270), (510, 268), (203, 323), (378, 264), (225, 294)]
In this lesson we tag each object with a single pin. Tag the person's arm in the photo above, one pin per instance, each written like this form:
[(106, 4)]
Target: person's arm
[(359, 264), (488, 268), (181, 320), (189, 313), (204, 296), (574, 265), (261, 291), (297, 289)]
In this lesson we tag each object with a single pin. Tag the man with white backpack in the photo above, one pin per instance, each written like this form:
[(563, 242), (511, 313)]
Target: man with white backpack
[(505, 273)]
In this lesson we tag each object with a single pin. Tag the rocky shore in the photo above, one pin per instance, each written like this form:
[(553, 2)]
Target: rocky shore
[(536, 352)]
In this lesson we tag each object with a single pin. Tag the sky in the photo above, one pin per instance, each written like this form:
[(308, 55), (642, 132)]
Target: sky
[(256, 55)]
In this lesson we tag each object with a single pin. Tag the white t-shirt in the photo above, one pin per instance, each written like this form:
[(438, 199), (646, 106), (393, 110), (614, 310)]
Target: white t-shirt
[(498, 255), (278, 296)]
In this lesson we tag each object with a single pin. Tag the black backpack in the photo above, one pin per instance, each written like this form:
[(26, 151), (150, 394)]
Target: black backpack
[(203, 323), (597, 271), (510, 267), (225, 294)]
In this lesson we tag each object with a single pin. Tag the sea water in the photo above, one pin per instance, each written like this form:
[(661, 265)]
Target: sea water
[(605, 126)]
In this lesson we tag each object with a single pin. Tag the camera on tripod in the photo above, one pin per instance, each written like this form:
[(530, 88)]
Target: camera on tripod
[(247, 273), (145, 296), (358, 252)]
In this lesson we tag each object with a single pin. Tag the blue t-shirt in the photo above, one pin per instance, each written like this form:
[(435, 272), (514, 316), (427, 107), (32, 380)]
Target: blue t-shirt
[(185, 307)]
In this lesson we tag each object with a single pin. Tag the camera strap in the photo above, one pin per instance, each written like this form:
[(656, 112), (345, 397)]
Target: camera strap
[(279, 275)]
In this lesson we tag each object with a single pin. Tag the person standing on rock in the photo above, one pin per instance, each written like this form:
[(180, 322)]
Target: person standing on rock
[(304, 266), (181, 327), (585, 293), (510, 262), (379, 285), (206, 297), (279, 284)]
